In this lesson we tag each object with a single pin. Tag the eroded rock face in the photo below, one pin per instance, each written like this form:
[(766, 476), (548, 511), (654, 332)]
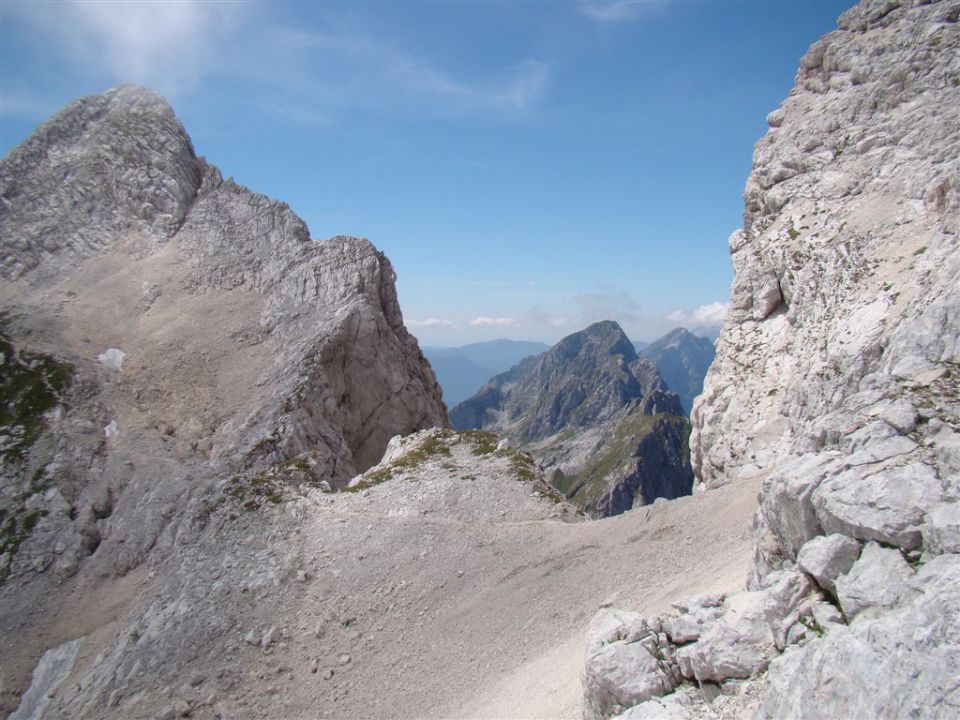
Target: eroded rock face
[(164, 331), (846, 266), (611, 433), (836, 381)]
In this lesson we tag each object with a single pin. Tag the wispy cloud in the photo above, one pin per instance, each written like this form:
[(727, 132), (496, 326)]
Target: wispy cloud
[(613, 11), (168, 46), (318, 74), (539, 316), (433, 323), (493, 322), (703, 316), (607, 305)]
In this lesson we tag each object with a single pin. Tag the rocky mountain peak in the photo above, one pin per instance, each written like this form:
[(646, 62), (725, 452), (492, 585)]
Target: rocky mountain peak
[(585, 378), (601, 339), (192, 345), (106, 165), (683, 359), (600, 417), (676, 337)]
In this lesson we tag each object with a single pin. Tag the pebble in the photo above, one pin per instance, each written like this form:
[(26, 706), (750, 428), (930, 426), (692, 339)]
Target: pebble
[(269, 637)]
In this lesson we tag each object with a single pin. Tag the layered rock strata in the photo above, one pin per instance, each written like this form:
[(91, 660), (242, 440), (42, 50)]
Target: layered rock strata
[(165, 330), (837, 381)]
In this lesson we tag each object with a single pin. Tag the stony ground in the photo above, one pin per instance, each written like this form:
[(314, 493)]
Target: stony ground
[(451, 589)]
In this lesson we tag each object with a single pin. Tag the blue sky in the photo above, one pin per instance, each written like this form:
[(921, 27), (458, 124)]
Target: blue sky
[(528, 167)]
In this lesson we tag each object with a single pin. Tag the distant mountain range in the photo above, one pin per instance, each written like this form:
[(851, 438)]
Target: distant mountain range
[(681, 357), (461, 371), (602, 420)]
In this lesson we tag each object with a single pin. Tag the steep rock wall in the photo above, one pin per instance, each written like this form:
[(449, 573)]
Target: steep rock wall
[(836, 382)]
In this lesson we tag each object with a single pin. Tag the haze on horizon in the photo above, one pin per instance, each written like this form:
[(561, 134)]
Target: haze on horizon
[(529, 168)]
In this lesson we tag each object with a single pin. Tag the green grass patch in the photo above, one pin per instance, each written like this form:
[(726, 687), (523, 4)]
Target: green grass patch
[(522, 465), (812, 625), (31, 384), (484, 443), (588, 485), (435, 445), (250, 491)]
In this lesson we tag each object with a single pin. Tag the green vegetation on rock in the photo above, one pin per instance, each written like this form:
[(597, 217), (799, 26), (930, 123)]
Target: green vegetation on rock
[(593, 481), (31, 384), (250, 491)]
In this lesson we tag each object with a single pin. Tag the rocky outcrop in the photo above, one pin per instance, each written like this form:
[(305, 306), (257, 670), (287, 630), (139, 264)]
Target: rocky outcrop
[(683, 359), (603, 421), (836, 381), (164, 331), (846, 267)]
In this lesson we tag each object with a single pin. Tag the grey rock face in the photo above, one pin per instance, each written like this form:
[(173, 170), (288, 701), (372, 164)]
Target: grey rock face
[(624, 665), (836, 378), (120, 162), (878, 580), (602, 420), (229, 344), (683, 359), (53, 669), (827, 557), (910, 653), (863, 248)]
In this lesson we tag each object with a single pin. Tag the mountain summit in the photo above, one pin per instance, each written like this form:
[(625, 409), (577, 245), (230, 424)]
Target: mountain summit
[(175, 347), (601, 418), (683, 359)]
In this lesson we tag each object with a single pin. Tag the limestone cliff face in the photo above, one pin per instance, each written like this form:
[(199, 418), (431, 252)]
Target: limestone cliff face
[(836, 383), (172, 329), (605, 423), (846, 265)]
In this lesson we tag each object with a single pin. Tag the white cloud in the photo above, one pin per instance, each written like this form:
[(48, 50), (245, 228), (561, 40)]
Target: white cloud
[(168, 46), (703, 316), (493, 322), (432, 323), (618, 10), (371, 72), (308, 76)]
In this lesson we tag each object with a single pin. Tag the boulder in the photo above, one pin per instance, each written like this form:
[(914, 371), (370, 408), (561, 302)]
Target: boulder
[(624, 664), (827, 557), (888, 506), (878, 580)]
